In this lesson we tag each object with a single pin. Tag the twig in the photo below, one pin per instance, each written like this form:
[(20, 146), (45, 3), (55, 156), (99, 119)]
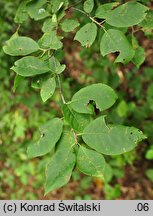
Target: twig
[(91, 18), (61, 92), (75, 136)]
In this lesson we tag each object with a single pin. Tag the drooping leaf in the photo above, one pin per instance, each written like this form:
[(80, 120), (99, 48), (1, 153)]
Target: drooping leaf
[(115, 41), (88, 6), (50, 40), (128, 14), (50, 134), (111, 139), (20, 46), (101, 94), (90, 162), (147, 23), (69, 25), (55, 65), (87, 34), (76, 120), (104, 9), (37, 9), (30, 66), (60, 167), (47, 88)]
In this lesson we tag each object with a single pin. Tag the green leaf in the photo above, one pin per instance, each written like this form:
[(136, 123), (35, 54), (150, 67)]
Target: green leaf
[(128, 14), (88, 6), (149, 154), (104, 9), (76, 120), (49, 25), (55, 66), (101, 94), (87, 34), (17, 81), (90, 162), (61, 165), (147, 23), (50, 134), (21, 13), (30, 66), (50, 40), (111, 139), (69, 25), (115, 41), (37, 9), (57, 4), (47, 88), (149, 174), (20, 46), (139, 57)]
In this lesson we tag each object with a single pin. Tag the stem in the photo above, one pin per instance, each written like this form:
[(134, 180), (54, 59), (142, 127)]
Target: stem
[(91, 18), (61, 92), (75, 136)]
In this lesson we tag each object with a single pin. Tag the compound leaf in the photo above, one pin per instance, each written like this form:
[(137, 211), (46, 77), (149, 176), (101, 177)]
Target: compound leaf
[(50, 134), (90, 162), (128, 14), (61, 165), (30, 66), (87, 34), (20, 46), (101, 94), (111, 139), (115, 41)]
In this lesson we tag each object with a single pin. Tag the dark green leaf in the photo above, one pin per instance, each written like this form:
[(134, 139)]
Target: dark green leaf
[(50, 40), (20, 46), (101, 94), (147, 23), (87, 34), (111, 139), (88, 6), (69, 25), (50, 134), (128, 14), (30, 66), (47, 88), (90, 162), (55, 66), (76, 120), (115, 41), (61, 165), (104, 9), (37, 9)]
